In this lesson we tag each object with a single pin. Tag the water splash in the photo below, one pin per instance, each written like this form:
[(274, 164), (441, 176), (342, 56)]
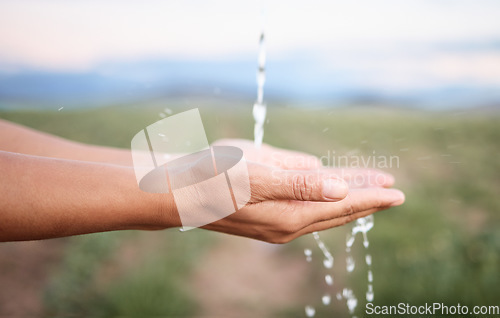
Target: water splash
[(363, 225)]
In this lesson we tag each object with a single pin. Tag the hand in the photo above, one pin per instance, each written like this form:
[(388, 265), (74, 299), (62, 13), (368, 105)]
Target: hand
[(272, 156), (286, 204), (294, 160)]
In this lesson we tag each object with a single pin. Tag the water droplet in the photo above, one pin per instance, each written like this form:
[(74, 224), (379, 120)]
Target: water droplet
[(350, 239), (326, 299), (368, 259), (352, 303), (370, 276), (329, 280), (161, 135), (339, 296), (60, 109), (326, 129), (345, 292), (366, 243), (168, 111), (162, 115), (308, 253), (369, 294), (350, 263), (310, 311), (328, 262)]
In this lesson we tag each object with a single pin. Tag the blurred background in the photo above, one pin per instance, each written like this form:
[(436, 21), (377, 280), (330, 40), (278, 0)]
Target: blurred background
[(415, 79)]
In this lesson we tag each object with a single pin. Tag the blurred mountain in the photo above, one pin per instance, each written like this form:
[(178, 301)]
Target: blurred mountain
[(287, 80)]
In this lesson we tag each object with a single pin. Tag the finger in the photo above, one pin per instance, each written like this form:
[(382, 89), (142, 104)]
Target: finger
[(357, 200), (300, 185), (362, 177)]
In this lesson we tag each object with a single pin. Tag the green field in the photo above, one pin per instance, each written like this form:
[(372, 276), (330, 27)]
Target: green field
[(442, 245)]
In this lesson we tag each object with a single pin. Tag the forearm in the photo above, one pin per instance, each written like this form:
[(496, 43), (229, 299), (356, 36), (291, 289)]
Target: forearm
[(20, 139), (45, 198)]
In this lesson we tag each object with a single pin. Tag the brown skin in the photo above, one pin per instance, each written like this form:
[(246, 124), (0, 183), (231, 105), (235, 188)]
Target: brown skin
[(65, 188)]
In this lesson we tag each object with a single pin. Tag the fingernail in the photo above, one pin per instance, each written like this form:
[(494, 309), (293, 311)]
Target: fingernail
[(335, 189), (399, 197)]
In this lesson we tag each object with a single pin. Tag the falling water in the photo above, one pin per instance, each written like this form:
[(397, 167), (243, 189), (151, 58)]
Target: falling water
[(259, 115), (362, 225), (259, 108), (308, 254)]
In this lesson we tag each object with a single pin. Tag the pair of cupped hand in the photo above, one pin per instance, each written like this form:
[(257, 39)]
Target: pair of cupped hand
[(292, 195)]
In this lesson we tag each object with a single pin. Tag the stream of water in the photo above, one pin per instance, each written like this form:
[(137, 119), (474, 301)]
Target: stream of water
[(362, 225), (259, 108)]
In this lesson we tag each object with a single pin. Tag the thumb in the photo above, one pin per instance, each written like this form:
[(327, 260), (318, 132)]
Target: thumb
[(301, 185)]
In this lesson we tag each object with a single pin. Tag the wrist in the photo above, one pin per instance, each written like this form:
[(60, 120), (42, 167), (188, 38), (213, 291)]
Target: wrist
[(142, 210), (162, 211)]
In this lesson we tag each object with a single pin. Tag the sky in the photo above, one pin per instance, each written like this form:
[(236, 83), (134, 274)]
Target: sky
[(385, 44)]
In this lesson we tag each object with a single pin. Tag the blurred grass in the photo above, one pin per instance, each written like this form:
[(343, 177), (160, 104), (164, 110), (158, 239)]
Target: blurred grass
[(442, 245)]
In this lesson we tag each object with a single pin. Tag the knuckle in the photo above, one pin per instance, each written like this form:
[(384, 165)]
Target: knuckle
[(347, 208), (302, 189)]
